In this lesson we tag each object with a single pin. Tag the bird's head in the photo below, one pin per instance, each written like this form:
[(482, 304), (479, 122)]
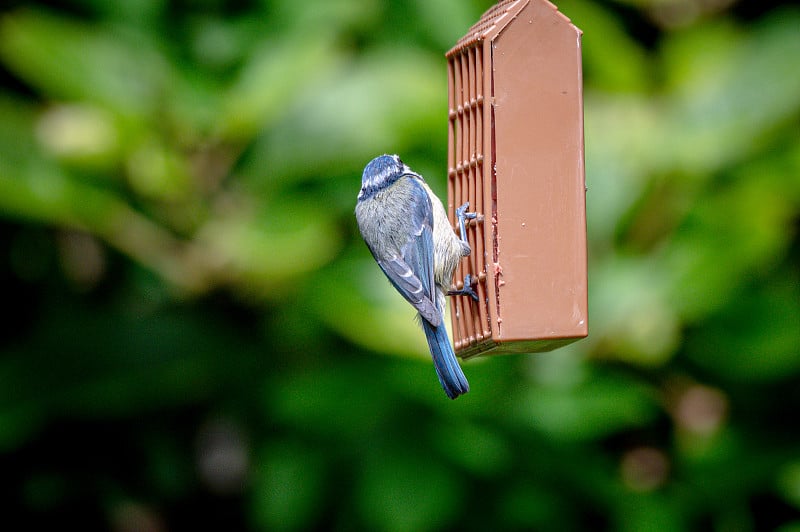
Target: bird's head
[(381, 172)]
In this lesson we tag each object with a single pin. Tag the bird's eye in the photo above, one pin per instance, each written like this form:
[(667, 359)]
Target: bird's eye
[(398, 161)]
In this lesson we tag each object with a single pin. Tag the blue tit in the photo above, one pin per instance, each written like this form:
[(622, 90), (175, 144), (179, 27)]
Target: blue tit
[(405, 226)]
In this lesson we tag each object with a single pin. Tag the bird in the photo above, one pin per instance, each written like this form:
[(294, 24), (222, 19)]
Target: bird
[(405, 227)]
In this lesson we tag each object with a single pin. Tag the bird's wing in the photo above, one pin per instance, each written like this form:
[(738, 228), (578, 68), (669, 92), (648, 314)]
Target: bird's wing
[(411, 272)]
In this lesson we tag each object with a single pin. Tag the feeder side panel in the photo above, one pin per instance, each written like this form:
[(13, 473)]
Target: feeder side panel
[(541, 220)]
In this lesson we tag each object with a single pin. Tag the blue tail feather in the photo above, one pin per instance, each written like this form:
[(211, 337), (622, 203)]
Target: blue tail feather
[(449, 372)]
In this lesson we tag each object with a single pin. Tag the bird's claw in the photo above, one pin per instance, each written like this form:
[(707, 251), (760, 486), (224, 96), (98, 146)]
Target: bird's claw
[(462, 215), (467, 290)]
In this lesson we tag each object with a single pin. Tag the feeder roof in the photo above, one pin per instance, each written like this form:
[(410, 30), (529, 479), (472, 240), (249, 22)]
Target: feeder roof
[(494, 20)]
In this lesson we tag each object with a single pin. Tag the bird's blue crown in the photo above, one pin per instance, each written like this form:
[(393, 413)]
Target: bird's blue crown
[(380, 173)]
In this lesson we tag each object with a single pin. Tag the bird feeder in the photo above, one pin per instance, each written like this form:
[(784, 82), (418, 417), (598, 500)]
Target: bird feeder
[(516, 154)]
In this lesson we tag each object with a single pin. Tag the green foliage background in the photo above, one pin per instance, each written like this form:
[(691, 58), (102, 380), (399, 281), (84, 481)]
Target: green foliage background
[(196, 337)]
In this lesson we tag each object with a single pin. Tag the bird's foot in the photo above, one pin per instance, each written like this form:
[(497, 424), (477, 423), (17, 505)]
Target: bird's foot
[(467, 289), (462, 215)]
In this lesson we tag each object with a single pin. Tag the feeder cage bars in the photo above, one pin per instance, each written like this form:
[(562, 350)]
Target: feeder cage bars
[(516, 154)]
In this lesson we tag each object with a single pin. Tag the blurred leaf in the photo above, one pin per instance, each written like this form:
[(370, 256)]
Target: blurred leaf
[(480, 449), (429, 16), (766, 337), (612, 59), (18, 422), (288, 487), (652, 511), (732, 91), (156, 172), (738, 231), (617, 158), (405, 491), (338, 117), (265, 250), (528, 505), (342, 400), (594, 409), (129, 11), (99, 365), (363, 307), (17, 141), (789, 483), (630, 306), (82, 135), (68, 60), (273, 76), (46, 195)]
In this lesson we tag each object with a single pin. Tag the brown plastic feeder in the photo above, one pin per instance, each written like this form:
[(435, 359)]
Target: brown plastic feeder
[(516, 154)]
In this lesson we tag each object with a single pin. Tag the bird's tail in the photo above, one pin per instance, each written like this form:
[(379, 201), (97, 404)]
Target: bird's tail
[(449, 372)]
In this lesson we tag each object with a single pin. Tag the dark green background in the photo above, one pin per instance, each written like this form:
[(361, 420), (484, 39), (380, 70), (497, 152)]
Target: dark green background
[(195, 336)]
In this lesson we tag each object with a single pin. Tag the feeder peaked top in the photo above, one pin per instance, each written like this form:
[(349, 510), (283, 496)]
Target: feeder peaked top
[(495, 19)]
